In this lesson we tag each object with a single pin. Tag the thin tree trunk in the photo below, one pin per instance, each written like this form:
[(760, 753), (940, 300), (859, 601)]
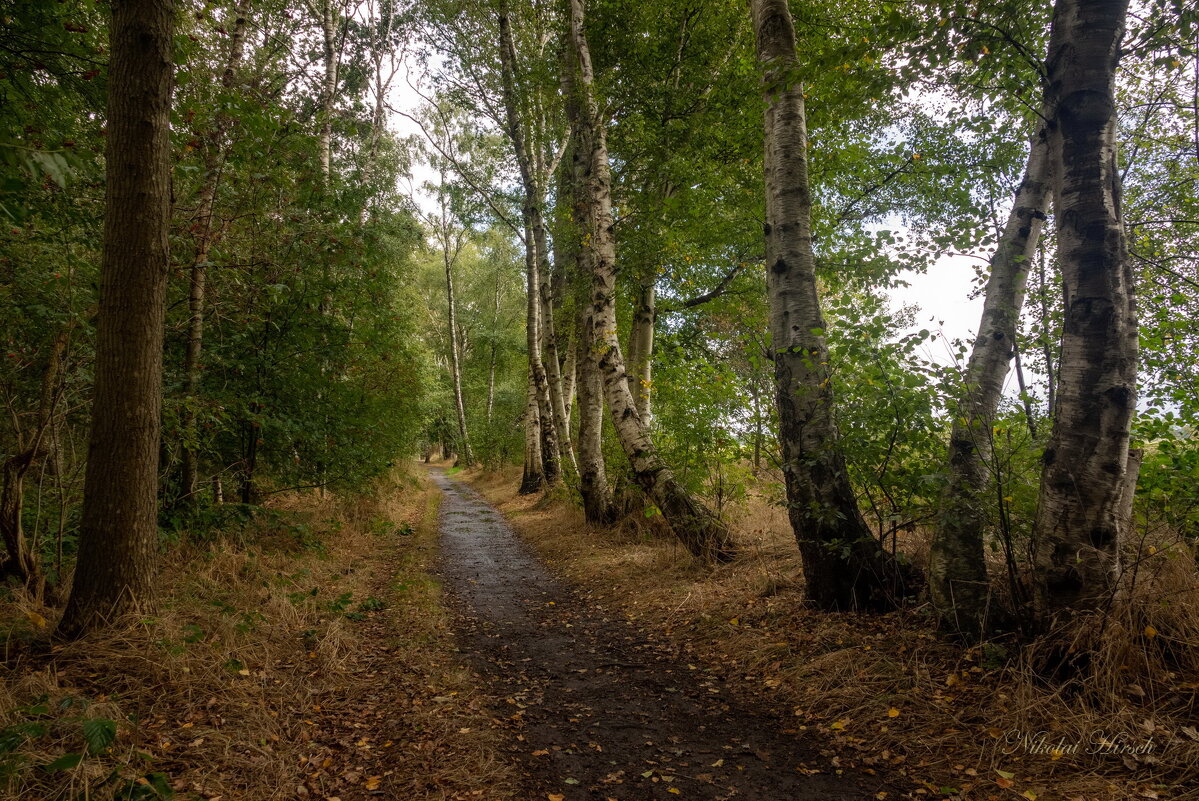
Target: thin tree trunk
[(641, 348), (1025, 402), (845, 567), (1086, 463), (958, 583), (22, 560), (214, 156), (331, 58), (495, 330), (534, 197), (455, 349), (119, 528), (570, 378), (549, 344), (701, 531), (1046, 344), (533, 478)]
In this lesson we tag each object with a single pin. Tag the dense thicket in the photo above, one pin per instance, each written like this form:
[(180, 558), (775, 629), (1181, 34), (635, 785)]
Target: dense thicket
[(295, 358)]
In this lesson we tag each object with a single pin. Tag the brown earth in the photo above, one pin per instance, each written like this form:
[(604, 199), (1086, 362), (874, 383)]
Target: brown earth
[(598, 709)]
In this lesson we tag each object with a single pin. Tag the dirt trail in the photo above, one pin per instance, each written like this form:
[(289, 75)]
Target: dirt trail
[(597, 710)]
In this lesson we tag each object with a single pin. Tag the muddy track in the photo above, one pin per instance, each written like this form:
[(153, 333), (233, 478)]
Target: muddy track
[(597, 711)]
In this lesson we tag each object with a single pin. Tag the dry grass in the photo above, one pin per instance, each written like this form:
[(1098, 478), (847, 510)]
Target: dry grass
[(263, 641), (885, 691)]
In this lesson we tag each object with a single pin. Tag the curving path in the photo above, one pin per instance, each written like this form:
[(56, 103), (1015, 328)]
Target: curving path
[(596, 710)]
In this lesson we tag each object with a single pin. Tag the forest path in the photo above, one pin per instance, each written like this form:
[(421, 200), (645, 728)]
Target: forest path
[(596, 710)]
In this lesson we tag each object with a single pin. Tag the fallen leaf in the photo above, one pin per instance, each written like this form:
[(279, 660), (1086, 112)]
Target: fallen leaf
[(540, 752), (892, 712), (372, 782), (1150, 632), (555, 797)]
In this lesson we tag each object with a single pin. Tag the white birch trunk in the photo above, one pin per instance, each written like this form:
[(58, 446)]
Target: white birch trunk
[(958, 582), (701, 531), (1087, 470)]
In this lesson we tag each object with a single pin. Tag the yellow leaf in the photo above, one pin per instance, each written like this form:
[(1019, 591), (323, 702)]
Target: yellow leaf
[(734, 621), (555, 797), (986, 52), (892, 712), (1030, 795), (994, 732), (839, 725), (36, 619), (1152, 550), (1150, 632), (372, 782), (674, 790)]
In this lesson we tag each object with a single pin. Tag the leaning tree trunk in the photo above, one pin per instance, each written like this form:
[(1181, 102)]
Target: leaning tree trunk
[(534, 224), (197, 295), (957, 571), (1086, 464), (700, 530), (844, 565), (119, 528)]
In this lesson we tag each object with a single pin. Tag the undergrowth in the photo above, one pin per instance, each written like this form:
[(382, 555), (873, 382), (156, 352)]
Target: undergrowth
[(218, 694)]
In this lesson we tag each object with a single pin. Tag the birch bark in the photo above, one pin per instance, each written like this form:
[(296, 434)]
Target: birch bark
[(958, 583), (1087, 469), (844, 565)]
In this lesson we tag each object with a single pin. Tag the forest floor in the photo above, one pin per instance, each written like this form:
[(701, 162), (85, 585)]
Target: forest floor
[(423, 641), (880, 701), (304, 654)]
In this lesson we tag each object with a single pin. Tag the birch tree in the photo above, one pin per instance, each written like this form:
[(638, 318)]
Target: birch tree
[(844, 565), (958, 580), (1088, 476), (700, 530)]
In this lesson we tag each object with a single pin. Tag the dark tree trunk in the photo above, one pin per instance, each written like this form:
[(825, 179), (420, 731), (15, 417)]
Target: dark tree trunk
[(119, 528)]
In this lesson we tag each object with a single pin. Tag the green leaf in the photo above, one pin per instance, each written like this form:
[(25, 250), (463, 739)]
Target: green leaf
[(65, 762), (99, 733)]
